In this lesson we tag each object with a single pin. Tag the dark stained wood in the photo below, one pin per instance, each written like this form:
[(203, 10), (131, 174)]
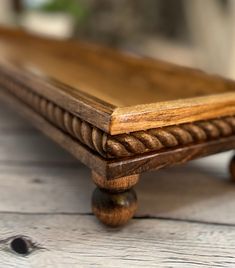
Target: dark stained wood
[(114, 209), (88, 158), (111, 169), (80, 104), (156, 161), (118, 185), (114, 202), (116, 146), (161, 139)]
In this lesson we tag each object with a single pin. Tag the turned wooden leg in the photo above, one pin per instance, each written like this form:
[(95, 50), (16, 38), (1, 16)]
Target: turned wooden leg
[(114, 202), (232, 168)]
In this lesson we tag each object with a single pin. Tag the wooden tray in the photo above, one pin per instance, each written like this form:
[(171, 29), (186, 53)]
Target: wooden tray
[(119, 114)]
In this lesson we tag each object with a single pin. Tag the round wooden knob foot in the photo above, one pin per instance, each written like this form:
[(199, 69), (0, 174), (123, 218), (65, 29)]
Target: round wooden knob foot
[(114, 209)]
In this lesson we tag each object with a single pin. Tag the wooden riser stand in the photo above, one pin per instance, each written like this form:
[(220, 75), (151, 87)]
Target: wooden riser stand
[(119, 115)]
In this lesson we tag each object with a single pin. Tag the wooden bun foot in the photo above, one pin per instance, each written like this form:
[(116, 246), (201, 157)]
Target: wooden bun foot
[(115, 185), (232, 169), (114, 209)]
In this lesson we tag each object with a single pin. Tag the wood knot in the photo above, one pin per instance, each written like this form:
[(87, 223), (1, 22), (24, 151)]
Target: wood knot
[(19, 245)]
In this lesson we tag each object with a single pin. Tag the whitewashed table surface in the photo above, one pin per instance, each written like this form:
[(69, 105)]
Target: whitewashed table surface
[(186, 215)]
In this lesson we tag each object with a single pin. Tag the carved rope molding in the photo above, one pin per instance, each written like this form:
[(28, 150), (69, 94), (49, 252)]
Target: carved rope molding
[(123, 145)]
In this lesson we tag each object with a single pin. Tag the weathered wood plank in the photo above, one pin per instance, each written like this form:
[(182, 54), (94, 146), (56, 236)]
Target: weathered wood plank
[(78, 241), (22, 143), (48, 189), (195, 192), (31, 147), (198, 191)]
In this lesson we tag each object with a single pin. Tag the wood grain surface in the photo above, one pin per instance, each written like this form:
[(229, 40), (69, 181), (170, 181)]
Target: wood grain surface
[(186, 216), (82, 130), (77, 241), (112, 169), (124, 93)]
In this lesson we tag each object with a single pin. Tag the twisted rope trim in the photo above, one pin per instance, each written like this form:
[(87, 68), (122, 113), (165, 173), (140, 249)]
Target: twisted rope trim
[(168, 137), (123, 145)]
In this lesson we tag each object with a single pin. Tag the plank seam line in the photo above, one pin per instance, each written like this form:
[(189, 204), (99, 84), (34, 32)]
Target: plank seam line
[(136, 217), (184, 220), (46, 213)]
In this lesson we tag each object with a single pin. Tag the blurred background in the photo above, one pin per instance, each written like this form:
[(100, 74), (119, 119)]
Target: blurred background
[(194, 33)]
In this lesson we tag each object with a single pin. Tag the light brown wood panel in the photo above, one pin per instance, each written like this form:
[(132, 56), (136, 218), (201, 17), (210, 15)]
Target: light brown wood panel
[(139, 93), (127, 86), (151, 80), (142, 117)]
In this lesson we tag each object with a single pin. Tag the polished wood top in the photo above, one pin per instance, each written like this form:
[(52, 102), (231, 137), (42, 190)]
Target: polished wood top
[(137, 93)]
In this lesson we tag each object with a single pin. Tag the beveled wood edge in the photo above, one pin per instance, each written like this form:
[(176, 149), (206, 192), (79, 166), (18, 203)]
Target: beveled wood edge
[(114, 120), (92, 110), (113, 169), (124, 145), (73, 125), (162, 114)]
